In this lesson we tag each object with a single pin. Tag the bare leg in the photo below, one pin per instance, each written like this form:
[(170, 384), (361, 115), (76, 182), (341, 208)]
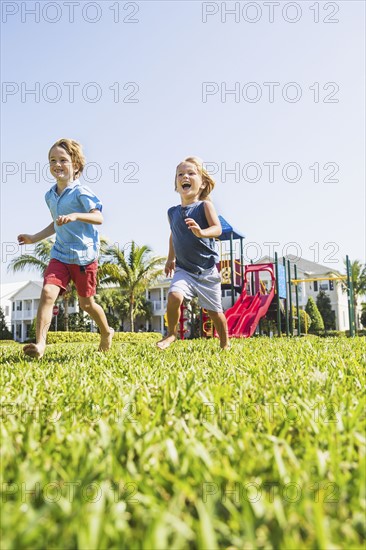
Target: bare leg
[(175, 300), (219, 320), (44, 318), (97, 314)]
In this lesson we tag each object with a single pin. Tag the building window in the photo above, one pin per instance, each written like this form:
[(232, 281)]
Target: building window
[(19, 305), (13, 306), (324, 286), (331, 285), (315, 286)]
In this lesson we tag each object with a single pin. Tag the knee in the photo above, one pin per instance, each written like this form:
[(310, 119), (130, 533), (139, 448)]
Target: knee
[(86, 304), (214, 315), (50, 293)]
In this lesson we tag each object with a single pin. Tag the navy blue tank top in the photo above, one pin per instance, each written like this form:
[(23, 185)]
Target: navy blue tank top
[(192, 253)]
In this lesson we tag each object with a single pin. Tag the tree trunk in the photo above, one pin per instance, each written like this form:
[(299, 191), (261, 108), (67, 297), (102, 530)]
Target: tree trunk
[(355, 301), (66, 311), (132, 324)]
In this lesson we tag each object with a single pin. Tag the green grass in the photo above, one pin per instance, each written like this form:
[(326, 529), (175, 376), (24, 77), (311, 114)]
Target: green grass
[(259, 447)]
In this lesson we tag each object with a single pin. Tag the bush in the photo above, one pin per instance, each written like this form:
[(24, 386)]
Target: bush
[(333, 333), (358, 332), (5, 333), (317, 324), (305, 320), (8, 342), (91, 337)]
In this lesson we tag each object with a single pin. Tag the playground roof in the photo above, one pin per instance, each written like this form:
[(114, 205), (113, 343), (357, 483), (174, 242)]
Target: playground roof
[(227, 229)]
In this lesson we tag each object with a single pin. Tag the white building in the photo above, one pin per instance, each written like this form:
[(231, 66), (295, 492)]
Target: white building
[(335, 289), (157, 295), (19, 302)]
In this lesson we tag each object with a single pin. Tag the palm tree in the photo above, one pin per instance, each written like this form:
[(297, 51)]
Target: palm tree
[(115, 305), (39, 262), (132, 270), (358, 278)]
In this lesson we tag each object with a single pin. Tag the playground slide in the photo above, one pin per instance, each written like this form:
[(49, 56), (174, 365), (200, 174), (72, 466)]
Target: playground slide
[(243, 317)]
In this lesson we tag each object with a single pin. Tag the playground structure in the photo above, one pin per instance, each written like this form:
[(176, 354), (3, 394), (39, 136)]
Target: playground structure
[(243, 317), (260, 289)]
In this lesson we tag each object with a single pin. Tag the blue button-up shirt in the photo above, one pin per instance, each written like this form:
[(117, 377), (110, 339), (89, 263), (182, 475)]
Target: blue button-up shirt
[(76, 242)]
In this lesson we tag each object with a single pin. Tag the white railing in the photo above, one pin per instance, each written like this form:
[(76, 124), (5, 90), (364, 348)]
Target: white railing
[(157, 305), (25, 315)]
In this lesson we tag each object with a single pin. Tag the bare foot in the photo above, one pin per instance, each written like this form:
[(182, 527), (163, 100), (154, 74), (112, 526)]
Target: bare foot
[(225, 344), (106, 340), (34, 350), (166, 342), (226, 347)]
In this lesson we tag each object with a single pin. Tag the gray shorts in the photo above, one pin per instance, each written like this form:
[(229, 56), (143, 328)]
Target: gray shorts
[(206, 286)]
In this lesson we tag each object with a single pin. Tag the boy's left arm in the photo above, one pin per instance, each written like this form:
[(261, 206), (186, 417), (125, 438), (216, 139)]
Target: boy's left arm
[(214, 229), (94, 217)]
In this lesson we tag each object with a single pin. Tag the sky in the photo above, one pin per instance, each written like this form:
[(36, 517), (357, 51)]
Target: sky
[(269, 94)]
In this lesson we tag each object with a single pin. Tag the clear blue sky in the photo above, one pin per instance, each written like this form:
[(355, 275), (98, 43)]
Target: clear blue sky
[(169, 53)]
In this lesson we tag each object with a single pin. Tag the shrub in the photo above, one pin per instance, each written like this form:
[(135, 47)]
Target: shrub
[(325, 308), (91, 337), (5, 333), (333, 333), (305, 320), (317, 324)]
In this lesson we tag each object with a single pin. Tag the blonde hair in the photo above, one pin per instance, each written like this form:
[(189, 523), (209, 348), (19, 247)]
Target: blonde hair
[(208, 181), (75, 150)]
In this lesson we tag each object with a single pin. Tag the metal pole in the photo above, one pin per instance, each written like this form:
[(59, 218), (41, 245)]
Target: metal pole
[(252, 288), (290, 298), (277, 298), (286, 301), (241, 261), (350, 298), (232, 269), (297, 304)]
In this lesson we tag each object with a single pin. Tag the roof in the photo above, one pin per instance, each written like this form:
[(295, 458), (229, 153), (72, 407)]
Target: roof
[(8, 290), (305, 266), (227, 230)]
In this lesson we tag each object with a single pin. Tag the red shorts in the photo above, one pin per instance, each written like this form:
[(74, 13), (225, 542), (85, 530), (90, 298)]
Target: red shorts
[(84, 277)]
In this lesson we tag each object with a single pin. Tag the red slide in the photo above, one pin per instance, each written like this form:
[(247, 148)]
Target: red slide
[(243, 316)]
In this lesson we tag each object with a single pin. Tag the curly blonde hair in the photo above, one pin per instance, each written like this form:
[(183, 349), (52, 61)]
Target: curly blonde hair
[(207, 180), (75, 150)]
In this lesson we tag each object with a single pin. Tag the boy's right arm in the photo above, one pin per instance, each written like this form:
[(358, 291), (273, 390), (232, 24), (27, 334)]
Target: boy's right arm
[(24, 238), (170, 263)]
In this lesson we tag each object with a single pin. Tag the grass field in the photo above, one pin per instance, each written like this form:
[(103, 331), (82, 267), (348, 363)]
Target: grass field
[(259, 447)]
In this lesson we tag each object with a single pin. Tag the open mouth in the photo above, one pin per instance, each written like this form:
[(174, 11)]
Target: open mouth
[(186, 185)]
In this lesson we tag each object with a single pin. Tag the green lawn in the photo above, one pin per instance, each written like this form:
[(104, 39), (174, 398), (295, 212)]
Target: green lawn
[(259, 447)]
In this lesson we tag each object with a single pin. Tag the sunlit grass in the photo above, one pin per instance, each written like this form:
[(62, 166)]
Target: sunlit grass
[(259, 447)]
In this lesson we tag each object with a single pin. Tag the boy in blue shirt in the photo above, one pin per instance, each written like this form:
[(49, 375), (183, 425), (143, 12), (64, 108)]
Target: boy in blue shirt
[(75, 210)]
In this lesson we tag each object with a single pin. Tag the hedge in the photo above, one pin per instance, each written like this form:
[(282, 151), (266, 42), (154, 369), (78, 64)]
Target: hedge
[(64, 337)]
